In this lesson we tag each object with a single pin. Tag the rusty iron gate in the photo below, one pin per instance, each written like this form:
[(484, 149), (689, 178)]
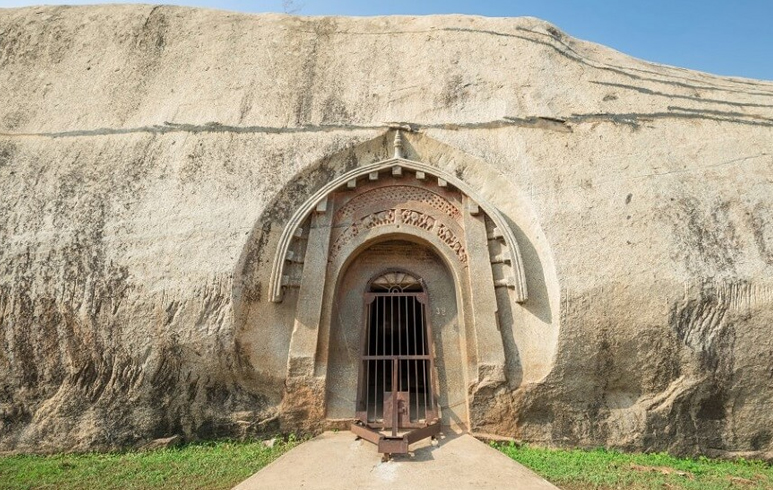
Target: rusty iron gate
[(396, 403)]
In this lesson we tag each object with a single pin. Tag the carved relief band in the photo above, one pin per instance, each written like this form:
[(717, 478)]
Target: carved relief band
[(397, 195), (417, 219), (378, 219), (410, 217), (449, 238)]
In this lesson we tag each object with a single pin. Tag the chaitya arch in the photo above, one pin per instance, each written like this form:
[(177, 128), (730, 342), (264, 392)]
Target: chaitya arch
[(511, 255), (393, 214)]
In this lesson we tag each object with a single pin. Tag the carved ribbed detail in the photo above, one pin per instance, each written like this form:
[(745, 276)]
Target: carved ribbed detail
[(500, 230)]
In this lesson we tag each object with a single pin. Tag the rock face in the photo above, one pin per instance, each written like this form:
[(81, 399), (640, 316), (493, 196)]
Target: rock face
[(151, 157)]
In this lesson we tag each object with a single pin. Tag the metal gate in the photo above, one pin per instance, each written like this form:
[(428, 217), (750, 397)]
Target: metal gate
[(396, 403)]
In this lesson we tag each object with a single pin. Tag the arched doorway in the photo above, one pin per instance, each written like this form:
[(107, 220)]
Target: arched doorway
[(397, 382), (362, 300), (396, 363)]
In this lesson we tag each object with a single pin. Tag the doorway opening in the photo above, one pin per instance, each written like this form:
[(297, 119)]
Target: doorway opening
[(396, 381)]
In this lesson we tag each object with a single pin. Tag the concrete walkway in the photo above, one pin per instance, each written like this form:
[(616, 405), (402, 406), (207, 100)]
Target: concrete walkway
[(338, 461)]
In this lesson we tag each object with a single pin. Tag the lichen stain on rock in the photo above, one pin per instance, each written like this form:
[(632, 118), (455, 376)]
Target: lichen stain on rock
[(663, 397), (706, 236), (762, 228), (18, 46), (334, 111), (699, 321), (315, 53), (454, 92), (7, 150), (74, 375), (152, 35), (82, 366), (15, 119)]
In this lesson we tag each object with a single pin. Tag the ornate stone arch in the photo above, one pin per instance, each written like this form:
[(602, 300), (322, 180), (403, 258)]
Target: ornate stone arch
[(510, 255), (394, 199)]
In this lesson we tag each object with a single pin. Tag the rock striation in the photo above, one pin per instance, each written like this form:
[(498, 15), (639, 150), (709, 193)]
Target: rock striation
[(147, 153)]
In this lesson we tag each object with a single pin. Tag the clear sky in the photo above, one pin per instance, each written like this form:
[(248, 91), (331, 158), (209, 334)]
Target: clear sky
[(727, 37)]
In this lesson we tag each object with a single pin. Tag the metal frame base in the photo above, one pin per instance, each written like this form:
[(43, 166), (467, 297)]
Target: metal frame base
[(389, 445)]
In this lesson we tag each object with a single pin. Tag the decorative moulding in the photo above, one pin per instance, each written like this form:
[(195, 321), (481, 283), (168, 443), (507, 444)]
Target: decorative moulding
[(396, 165)]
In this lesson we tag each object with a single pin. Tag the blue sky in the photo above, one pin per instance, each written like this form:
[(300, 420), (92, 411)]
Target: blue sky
[(730, 37)]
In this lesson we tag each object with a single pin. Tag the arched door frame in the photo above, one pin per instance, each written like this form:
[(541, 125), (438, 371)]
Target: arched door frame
[(318, 201)]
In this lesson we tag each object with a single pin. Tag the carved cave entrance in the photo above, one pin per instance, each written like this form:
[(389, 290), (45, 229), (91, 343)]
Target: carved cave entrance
[(361, 260)]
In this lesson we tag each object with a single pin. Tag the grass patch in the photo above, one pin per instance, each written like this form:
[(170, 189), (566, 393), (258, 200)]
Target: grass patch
[(213, 465), (601, 469), (221, 465)]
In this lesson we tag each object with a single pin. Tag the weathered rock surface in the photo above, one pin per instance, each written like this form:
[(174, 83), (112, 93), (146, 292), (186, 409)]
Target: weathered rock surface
[(141, 146)]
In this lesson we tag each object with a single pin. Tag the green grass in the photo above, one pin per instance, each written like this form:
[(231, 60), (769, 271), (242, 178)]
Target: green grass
[(201, 466), (218, 465), (602, 470)]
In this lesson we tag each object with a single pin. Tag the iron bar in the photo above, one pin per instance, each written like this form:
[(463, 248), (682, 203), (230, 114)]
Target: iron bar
[(395, 401), (383, 363), (415, 362), (367, 363), (399, 329), (431, 430), (368, 350), (365, 433), (424, 351)]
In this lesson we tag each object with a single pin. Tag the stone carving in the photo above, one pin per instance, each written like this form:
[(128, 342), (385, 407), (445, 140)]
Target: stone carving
[(450, 238), (378, 219), (373, 197), (417, 219), (397, 194), (345, 237), (409, 217), (373, 220)]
